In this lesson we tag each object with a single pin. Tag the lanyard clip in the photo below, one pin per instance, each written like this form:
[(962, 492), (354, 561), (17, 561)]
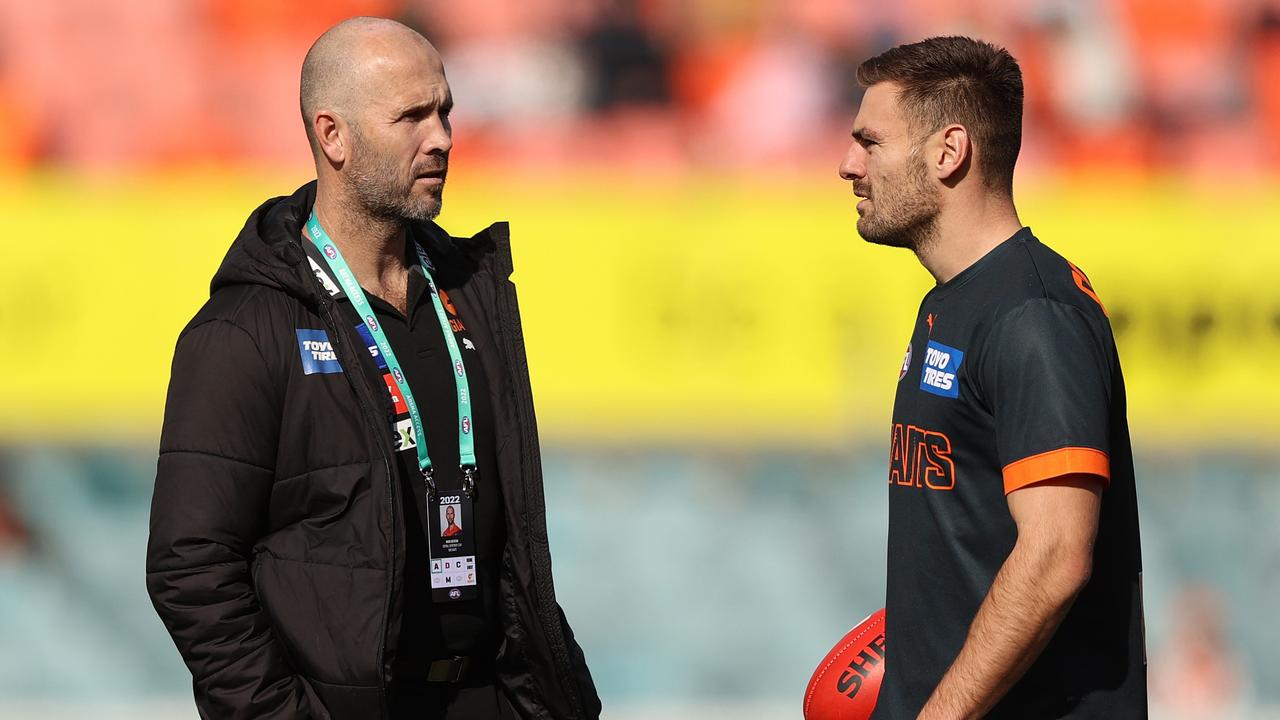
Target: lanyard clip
[(429, 477), (469, 482)]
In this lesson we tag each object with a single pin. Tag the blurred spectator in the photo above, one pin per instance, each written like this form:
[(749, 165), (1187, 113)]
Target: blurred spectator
[(773, 106), (628, 65), (1264, 79), (518, 83), (513, 65), (20, 142), (1197, 674), (13, 532), (1087, 86)]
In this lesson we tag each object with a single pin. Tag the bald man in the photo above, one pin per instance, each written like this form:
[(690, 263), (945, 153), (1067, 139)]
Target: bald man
[(355, 371)]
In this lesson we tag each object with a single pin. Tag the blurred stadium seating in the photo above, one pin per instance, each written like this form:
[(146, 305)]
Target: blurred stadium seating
[(639, 84), (669, 171)]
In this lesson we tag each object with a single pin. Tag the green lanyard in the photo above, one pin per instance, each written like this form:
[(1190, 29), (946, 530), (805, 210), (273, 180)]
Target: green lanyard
[(466, 438)]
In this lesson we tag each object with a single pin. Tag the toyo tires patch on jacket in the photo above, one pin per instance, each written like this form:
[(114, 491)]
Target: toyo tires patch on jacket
[(317, 352)]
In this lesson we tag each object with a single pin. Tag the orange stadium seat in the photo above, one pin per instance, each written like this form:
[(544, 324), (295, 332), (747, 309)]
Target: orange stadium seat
[(1181, 48), (1266, 88)]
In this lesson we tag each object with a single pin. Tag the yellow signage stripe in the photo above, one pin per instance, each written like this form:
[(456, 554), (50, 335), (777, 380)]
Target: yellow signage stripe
[(726, 309)]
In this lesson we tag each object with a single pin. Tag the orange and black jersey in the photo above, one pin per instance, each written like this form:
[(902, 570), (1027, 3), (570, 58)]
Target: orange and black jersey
[(1011, 378)]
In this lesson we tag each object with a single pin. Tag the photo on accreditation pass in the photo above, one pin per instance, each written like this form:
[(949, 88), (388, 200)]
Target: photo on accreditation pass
[(450, 520)]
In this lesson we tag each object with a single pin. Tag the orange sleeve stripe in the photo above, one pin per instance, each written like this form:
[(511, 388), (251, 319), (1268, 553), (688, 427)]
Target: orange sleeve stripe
[(1056, 463)]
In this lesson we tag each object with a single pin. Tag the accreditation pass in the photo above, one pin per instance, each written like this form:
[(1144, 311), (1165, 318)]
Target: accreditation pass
[(453, 554)]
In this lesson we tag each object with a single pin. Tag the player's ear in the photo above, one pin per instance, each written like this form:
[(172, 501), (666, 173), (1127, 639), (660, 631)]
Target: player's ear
[(332, 134), (952, 153)]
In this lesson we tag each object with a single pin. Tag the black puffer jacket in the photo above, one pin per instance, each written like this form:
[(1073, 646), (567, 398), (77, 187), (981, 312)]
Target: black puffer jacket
[(277, 536)]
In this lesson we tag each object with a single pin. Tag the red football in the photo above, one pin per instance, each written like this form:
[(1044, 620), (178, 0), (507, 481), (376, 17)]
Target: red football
[(847, 682)]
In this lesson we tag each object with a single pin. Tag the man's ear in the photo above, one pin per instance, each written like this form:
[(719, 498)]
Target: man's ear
[(951, 153), (332, 133)]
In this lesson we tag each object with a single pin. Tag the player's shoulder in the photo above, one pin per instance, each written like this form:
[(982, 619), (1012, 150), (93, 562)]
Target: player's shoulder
[(1045, 311), (267, 317), (242, 305), (1042, 276)]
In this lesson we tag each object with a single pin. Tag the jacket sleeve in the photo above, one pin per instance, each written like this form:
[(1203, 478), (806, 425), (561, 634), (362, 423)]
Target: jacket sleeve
[(213, 485), (581, 673)]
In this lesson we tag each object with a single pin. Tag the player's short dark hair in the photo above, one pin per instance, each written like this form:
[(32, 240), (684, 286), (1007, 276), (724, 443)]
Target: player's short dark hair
[(959, 80)]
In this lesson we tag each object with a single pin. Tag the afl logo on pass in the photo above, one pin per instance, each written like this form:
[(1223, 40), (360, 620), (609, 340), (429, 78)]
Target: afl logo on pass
[(331, 252), (371, 322), (941, 370)]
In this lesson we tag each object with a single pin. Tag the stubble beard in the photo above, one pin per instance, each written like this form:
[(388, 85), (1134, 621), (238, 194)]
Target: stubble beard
[(382, 194), (910, 220)]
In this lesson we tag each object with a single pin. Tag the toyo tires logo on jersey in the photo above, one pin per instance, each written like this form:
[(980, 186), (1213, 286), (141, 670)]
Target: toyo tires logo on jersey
[(941, 370)]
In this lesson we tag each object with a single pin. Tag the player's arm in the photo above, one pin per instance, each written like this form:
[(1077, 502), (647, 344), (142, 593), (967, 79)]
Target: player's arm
[(213, 486), (1047, 374), (1051, 561)]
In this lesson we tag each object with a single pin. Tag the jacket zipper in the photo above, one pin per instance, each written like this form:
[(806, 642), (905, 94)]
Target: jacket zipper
[(523, 392), (338, 343)]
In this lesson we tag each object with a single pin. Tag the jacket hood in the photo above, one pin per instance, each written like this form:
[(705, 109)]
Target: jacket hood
[(268, 250)]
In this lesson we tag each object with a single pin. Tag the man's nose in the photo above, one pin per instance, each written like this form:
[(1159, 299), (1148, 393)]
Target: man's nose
[(439, 136), (854, 166)]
